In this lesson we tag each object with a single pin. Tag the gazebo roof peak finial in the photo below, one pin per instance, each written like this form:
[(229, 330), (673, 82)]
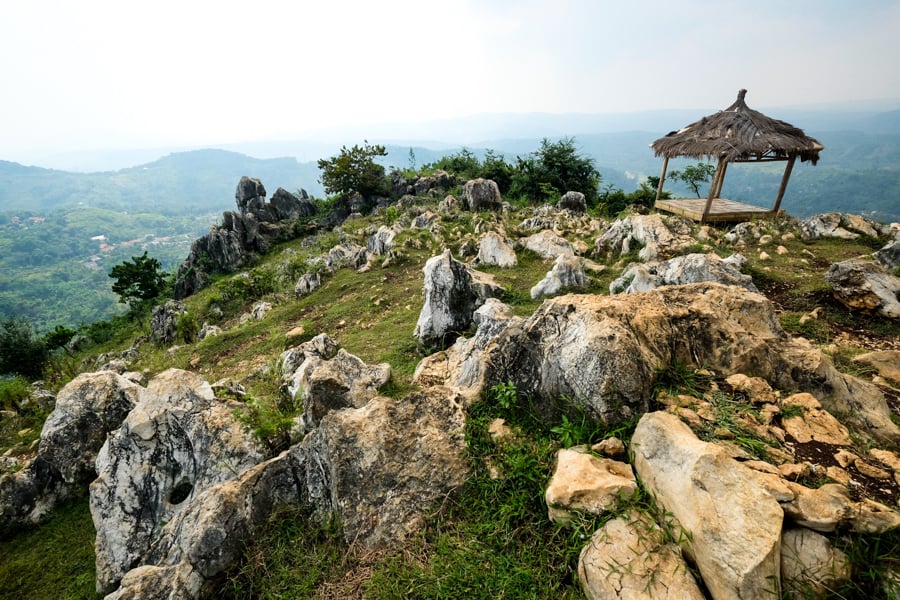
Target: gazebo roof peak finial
[(741, 94)]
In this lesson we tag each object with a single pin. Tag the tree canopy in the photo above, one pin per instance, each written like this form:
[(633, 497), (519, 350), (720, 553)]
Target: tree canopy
[(354, 170), (554, 169), (138, 280)]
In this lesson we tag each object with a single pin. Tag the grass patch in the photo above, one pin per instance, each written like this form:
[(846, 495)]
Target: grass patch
[(54, 560), (874, 560)]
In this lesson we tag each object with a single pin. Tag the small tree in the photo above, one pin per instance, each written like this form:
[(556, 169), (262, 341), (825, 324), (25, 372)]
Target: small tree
[(554, 169), (354, 170), (139, 280), (694, 176), (22, 352)]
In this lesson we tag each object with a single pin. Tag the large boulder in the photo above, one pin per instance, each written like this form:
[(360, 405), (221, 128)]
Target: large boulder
[(494, 250), (482, 195), (164, 321), (810, 565), (656, 236), (382, 240), (547, 245), (452, 293), (177, 441), (630, 559), (839, 225), (567, 273), (732, 523), (603, 353), (889, 256), (688, 268), (286, 206), (87, 409), (584, 483), (573, 201), (862, 284), (249, 195)]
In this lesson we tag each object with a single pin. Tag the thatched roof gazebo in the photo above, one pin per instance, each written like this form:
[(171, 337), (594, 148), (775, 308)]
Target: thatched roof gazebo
[(737, 134)]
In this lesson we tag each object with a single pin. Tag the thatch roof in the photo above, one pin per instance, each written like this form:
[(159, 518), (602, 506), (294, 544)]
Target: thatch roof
[(739, 133)]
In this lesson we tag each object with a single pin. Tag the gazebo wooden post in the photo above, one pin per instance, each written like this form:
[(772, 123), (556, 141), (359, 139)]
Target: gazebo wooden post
[(721, 180), (662, 179), (713, 188), (784, 182)]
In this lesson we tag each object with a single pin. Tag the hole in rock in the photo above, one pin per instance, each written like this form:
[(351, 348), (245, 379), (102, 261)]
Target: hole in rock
[(180, 492)]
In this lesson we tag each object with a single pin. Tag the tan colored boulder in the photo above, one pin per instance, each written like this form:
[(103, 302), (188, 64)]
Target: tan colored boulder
[(629, 559), (733, 523), (868, 516), (581, 482), (810, 564), (611, 446), (886, 362), (819, 509)]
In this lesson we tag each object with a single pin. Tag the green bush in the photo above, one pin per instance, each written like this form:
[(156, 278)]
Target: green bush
[(13, 391), (554, 169), (22, 351)]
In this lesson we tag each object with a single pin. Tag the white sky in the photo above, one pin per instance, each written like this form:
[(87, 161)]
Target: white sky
[(86, 74)]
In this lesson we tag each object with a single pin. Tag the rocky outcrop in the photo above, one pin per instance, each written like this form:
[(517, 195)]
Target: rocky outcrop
[(382, 240), (243, 234), (839, 225), (602, 353), (164, 321), (889, 256), (733, 524), (494, 250), (573, 201), (87, 409), (176, 442), (862, 284), (629, 559), (688, 268), (452, 294), (658, 237), (567, 273), (482, 195), (346, 255)]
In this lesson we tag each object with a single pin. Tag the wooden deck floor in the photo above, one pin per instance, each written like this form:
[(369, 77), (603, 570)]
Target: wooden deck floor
[(721, 209)]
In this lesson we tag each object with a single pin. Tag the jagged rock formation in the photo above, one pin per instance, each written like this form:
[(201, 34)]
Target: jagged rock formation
[(375, 463), (242, 234), (567, 273), (687, 268), (840, 225), (87, 409), (452, 293), (547, 244), (493, 249), (573, 201), (164, 321), (656, 235), (177, 441)]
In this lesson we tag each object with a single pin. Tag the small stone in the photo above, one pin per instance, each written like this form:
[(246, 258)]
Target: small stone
[(868, 516), (612, 446), (870, 470), (24, 432), (781, 250), (765, 240), (886, 457), (689, 416), (837, 474), (787, 237), (583, 482), (295, 332), (723, 434), (794, 471), (498, 429), (764, 256), (845, 458)]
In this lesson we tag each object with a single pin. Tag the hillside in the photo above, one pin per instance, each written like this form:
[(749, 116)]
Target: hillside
[(489, 530)]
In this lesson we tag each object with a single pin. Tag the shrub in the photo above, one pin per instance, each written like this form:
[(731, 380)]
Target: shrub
[(22, 352)]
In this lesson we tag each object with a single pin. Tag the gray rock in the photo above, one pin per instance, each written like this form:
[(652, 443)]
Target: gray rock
[(688, 268), (494, 250), (382, 241), (177, 441), (349, 255), (164, 321), (434, 183), (548, 245), (862, 284), (482, 195), (258, 312), (889, 256), (658, 236), (839, 225), (452, 293), (87, 409), (810, 564), (733, 524), (573, 201), (307, 284), (567, 273), (249, 195), (209, 331)]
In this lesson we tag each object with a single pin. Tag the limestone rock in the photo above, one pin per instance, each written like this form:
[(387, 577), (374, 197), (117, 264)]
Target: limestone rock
[(865, 285), (889, 256), (839, 225), (87, 409), (628, 559), (548, 245), (582, 482), (886, 362), (567, 273), (809, 563), (452, 293), (821, 509), (177, 441), (258, 312), (573, 201), (659, 236), (209, 331), (382, 240), (321, 385), (689, 268), (463, 366), (814, 424), (482, 195), (307, 284), (494, 250), (164, 321), (250, 194), (346, 255), (733, 524), (380, 467)]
